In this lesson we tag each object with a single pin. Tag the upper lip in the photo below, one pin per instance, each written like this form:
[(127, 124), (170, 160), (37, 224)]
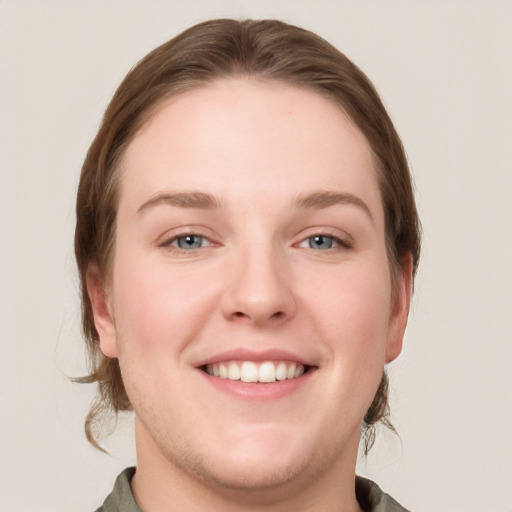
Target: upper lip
[(242, 354)]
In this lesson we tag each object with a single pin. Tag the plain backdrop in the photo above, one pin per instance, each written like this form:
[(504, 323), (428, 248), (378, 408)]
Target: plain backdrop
[(443, 69)]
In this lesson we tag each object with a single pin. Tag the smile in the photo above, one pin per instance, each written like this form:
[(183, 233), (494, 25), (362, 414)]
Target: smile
[(250, 371)]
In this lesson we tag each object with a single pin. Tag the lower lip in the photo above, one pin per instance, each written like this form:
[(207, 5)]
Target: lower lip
[(258, 391)]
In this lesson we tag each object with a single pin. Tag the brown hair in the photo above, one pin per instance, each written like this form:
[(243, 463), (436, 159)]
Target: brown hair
[(266, 49)]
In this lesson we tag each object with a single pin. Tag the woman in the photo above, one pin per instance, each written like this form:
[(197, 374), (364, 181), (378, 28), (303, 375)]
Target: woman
[(246, 240)]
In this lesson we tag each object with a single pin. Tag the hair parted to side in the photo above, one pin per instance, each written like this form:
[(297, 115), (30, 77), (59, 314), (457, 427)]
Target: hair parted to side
[(224, 48)]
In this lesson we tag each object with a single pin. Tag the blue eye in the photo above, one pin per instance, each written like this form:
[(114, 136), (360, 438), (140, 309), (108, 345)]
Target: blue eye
[(322, 242), (190, 242)]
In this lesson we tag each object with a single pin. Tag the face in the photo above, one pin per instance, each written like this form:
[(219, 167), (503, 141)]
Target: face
[(251, 303)]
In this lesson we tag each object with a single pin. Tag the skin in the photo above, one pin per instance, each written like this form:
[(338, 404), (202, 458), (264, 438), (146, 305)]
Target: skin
[(257, 281)]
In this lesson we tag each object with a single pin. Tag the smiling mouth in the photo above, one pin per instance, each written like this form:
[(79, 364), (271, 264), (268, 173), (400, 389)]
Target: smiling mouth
[(249, 371)]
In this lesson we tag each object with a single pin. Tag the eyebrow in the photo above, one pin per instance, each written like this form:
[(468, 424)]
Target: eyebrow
[(321, 199), (181, 199), (317, 200)]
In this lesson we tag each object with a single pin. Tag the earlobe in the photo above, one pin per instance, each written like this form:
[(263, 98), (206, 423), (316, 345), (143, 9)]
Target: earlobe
[(103, 318), (400, 308)]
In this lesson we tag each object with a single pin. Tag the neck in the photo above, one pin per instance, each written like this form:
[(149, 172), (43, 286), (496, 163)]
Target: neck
[(159, 485)]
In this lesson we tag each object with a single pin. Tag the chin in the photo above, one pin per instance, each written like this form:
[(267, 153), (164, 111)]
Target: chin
[(259, 465), (251, 474)]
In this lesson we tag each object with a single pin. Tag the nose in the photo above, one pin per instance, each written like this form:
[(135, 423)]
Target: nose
[(259, 289)]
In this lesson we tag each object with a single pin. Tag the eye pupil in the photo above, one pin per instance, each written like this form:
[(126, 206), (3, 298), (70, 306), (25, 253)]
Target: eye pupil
[(189, 242), (320, 242)]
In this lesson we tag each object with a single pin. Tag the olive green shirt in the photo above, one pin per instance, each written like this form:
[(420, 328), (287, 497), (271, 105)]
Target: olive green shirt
[(369, 495)]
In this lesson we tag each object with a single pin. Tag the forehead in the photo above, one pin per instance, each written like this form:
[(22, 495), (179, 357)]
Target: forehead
[(241, 136)]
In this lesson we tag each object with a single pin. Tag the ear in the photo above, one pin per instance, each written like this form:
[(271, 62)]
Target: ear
[(400, 308), (102, 311)]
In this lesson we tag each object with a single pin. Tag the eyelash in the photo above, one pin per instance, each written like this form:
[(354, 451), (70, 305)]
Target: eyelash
[(336, 242), (170, 243)]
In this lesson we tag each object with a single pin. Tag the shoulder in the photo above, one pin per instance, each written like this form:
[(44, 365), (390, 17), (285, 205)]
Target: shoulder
[(121, 498), (373, 499)]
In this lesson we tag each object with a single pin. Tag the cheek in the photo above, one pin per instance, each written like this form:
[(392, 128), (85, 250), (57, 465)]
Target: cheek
[(353, 313), (158, 308)]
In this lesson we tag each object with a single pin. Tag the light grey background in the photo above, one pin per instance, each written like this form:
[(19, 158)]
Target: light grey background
[(444, 71)]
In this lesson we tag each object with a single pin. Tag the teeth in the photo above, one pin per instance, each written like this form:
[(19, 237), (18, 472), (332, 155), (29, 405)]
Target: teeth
[(290, 372), (233, 371), (223, 371), (281, 373), (267, 372), (248, 371)]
